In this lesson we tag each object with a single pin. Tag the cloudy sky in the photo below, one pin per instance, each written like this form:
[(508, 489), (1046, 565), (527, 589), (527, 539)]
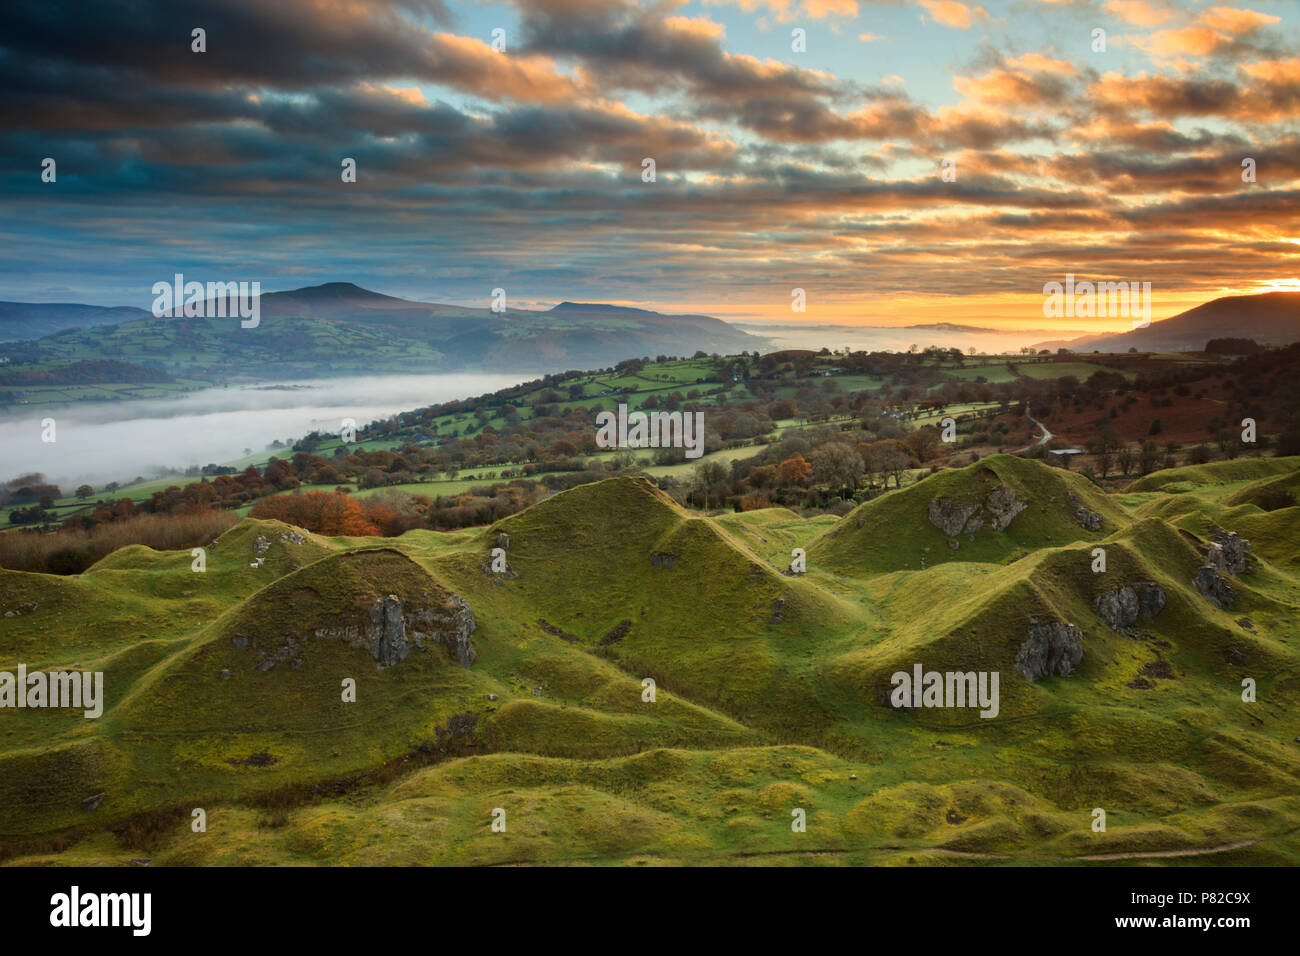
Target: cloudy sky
[(777, 167)]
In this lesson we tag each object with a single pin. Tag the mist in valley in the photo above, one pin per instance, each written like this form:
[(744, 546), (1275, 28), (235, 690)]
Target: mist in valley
[(97, 442)]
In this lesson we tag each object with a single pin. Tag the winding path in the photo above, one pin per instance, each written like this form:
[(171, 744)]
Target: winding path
[(1047, 435)]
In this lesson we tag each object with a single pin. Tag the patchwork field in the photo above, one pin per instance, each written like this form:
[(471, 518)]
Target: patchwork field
[(501, 714)]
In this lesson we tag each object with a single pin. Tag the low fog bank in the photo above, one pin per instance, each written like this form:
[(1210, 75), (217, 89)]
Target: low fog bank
[(118, 441), (876, 338)]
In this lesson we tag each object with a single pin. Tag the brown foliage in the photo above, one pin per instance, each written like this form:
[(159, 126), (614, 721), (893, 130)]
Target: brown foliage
[(72, 550)]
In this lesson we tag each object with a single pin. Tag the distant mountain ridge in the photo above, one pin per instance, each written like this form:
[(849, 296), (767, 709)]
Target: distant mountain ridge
[(342, 328), (1270, 318), (30, 320)]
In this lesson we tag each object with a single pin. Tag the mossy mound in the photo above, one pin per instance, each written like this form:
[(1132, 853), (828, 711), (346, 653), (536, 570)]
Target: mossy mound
[(1035, 505)]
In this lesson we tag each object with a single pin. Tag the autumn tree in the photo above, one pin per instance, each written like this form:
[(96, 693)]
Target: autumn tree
[(794, 471)]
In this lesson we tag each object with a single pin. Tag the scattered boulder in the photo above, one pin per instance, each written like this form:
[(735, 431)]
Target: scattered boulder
[(1088, 520), (1151, 597), (1227, 553), (1003, 505), (950, 516), (92, 803), (663, 559), (292, 536), (1053, 650), (1214, 586), (1121, 608)]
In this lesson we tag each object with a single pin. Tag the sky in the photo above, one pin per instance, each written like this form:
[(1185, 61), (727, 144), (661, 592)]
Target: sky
[(900, 162)]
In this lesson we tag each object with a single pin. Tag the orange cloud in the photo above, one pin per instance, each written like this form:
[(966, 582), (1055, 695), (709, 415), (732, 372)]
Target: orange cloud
[(696, 27), (1032, 79), (471, 65), (951, 13), (1235, 21), (1217, 30), (1137, 12)]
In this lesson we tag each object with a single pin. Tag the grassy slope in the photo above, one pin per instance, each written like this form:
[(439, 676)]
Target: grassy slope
[(769, 690)]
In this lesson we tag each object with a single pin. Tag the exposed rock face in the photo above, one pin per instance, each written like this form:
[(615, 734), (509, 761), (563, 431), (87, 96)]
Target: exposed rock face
[(954, 517), (1053, 650), (1227, 553), (950, 516), (503, 541), (1214, 586), (1120, 608), (391, 631), (1088, 520), (1151, 597), (1003, 505), (388, 631), (261, 545), (452, 629)]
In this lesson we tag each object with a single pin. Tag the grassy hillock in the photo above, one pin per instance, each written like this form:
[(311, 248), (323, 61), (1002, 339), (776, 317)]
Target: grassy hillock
[(894, 532), (224, 688)]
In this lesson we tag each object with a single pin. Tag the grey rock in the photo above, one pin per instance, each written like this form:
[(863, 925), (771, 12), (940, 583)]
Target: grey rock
[(1089, 520), (225, 674), (388, 643), (1054, 649), (261, 545), (92, 803), (1121, 608), (1228, 553), (239, 640), (954, 545), (1151, 598), (1118, 608), (503, 541), (452, 629), (1211, 583), (663, 559), (1003, 504), (950, 516)]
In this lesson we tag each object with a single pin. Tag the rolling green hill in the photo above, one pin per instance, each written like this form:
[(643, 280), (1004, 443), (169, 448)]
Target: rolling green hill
[(341, 329), (521, 688)]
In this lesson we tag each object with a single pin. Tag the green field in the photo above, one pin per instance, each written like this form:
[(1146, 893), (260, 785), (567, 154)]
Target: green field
[(772, 692)]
